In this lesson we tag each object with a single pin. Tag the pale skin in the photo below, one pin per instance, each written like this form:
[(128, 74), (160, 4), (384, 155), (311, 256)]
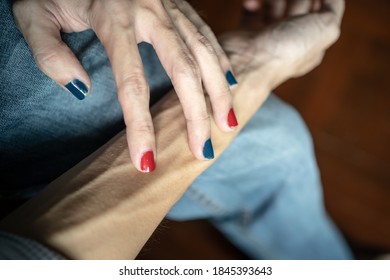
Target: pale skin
[(104, 208), (185, 45), (277, 9)]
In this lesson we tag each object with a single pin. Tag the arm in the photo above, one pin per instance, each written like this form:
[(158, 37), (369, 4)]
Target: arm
[(104, 209)]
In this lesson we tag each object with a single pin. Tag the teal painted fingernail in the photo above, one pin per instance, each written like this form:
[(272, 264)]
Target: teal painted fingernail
[(230, 78), (77, 88), (208, 151)]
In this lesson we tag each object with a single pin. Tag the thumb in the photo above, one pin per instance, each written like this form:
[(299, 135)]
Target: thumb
[(52, 55)]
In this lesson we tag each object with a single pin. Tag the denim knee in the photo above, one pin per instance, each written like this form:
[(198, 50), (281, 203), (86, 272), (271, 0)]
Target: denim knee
[(281, 129), (277, 138)]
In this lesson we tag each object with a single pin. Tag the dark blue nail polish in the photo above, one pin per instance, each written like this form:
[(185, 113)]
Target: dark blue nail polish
[(77, 88), (208, 151), (230, 78)]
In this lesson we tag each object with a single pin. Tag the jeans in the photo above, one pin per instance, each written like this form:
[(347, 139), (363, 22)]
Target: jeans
[(263, 193)]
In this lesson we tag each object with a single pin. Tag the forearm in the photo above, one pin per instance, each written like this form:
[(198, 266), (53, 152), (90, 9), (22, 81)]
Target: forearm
[(104, 208)]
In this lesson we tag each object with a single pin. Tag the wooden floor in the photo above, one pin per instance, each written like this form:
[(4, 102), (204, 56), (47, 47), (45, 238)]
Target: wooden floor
[(346, 104)]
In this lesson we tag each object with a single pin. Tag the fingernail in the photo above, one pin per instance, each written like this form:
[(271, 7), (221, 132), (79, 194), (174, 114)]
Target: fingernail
[(208, 151), (147, 162), (77, 88), (232, 120), (230, 78)]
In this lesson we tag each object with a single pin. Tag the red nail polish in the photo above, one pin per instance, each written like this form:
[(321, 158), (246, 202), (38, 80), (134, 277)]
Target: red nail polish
[(232, 121), (147, 162)]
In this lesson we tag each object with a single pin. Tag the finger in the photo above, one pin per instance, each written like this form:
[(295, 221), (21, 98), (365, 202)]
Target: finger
[(184, 73), (206, 31), (133, 91), (52, 55), (299, 7), (276, 8), (212, 75), (316, 5), (252, 5), (336, 8)]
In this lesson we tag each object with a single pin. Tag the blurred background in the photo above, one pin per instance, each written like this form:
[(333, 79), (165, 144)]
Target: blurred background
[(346, 105)]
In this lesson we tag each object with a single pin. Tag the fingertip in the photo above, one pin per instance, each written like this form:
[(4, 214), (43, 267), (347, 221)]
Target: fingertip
[(143, 157), (208, 150), (232, 119), (144, 160), (199, 139), (231, 79), (202, 150), (142, 147), (60, 64), (79, 89), (147, 162)]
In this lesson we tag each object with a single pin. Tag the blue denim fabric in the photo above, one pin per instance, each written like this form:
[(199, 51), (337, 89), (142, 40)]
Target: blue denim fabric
[(263, 193), (14, 247)]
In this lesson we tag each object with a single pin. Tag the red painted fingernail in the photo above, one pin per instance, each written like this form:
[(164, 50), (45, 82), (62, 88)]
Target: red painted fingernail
[(147, 162), (232, 121)]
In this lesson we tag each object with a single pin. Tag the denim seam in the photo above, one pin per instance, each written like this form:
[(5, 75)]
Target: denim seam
[(256, 240)]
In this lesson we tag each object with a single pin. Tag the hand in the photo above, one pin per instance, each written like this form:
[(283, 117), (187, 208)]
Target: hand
[(277, 9), (78, 210), (295, 41), (185, 45)]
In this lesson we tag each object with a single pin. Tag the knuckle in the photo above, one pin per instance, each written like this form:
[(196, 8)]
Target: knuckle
[(156, 17), (149, 13), (200, 44), (123, 20), (165, 28), (142, 127), (170, 4), (24, 8), (327, 24), (47, 56), (133, 85), (186, 66), (117, 11), (197, 116), (196, 112)]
